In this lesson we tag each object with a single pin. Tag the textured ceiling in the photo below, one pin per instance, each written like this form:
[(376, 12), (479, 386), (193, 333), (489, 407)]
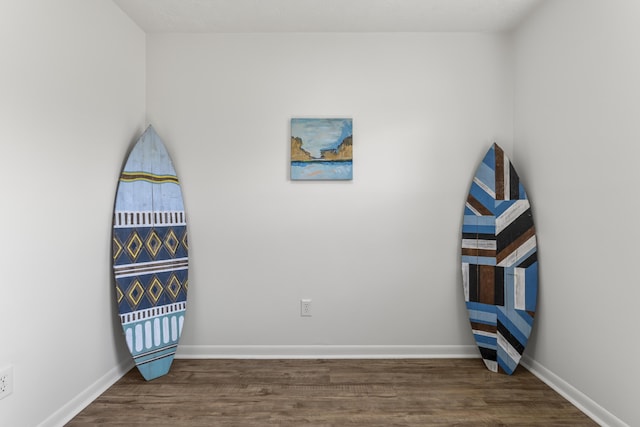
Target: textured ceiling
[(233, 16)]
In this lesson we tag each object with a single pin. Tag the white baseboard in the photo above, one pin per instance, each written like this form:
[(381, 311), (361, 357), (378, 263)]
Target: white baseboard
[(580, 400), (82, 400), (326, 351)]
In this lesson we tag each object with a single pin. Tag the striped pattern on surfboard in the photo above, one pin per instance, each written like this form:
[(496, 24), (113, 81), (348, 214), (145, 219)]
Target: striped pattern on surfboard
[(499, 262), (150, 256)]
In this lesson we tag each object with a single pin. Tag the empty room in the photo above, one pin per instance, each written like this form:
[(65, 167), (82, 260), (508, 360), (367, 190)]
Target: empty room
[(329, 283)]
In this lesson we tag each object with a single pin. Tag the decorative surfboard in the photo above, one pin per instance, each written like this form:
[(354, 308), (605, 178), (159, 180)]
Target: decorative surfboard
[(150, 256), (499, 262)]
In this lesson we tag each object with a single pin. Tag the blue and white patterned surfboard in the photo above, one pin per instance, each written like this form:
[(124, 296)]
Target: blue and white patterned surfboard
[(150, 256), (499, 262)]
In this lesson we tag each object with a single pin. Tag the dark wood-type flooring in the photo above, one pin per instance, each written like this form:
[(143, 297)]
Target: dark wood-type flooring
[(404, 392)]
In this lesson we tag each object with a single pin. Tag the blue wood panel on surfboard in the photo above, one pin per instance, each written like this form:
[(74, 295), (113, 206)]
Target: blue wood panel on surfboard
[(499, 262), (150, 256)]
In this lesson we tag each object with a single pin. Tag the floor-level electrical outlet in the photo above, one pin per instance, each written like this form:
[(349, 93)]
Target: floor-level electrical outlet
[(6, 381), (305, 307)]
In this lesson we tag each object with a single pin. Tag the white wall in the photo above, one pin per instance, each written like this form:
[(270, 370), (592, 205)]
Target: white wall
[(72, 95), (378, 256), (577, 93)]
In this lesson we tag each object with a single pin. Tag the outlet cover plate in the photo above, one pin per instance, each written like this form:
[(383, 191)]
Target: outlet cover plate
[(6, 381), (305, 307)]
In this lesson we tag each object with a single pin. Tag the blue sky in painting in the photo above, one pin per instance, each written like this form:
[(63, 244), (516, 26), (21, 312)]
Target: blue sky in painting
[(321, 134)]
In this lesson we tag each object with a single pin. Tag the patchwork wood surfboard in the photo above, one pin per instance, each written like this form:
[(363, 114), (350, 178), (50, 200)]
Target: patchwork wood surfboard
[(150, 256), (499, 262)]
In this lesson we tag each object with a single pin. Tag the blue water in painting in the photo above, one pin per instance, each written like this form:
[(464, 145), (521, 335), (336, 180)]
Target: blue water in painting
[(322, 170)]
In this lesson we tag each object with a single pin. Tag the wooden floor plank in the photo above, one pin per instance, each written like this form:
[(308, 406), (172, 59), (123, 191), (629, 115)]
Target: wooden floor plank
[(395, 392)]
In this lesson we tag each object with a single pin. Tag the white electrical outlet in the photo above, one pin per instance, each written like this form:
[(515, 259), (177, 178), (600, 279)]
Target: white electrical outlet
[(6, 381), (305, 307)]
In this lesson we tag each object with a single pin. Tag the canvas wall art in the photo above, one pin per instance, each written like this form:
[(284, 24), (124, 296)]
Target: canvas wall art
[(321, 149)]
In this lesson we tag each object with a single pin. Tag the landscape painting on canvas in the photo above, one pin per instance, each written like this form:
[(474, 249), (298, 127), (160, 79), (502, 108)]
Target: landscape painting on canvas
[(321, 149)]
